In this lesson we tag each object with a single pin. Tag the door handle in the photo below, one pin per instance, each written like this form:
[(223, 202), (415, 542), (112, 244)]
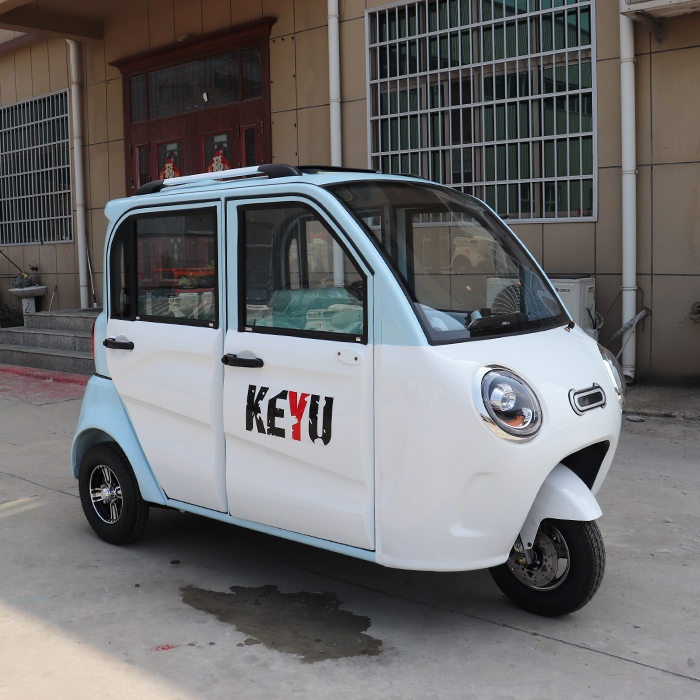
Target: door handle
[(118, 344), (235, 361)]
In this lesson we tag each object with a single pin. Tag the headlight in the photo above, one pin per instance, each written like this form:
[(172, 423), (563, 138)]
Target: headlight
[(615, 372), (511, 406)]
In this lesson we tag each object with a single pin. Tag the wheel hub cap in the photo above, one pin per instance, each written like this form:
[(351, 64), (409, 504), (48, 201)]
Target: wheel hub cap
[(551, 560), (106, 494)]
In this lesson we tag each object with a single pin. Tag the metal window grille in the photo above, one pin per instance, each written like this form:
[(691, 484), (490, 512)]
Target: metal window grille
[(493, 97), (35, 172)]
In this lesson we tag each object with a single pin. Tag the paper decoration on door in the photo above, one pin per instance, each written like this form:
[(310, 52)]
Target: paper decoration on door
[(169, 170), (218, 163)]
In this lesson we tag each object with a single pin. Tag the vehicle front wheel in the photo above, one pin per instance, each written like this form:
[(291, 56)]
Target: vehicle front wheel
[(565, 571), (110, 495)]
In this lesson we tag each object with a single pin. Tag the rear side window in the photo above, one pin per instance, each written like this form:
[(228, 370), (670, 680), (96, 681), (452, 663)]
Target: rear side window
[(164, 268), (296, 277)]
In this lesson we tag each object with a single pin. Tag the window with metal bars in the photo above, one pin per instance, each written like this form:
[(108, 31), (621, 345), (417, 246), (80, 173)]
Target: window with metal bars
[(492, 97), (35, 172)]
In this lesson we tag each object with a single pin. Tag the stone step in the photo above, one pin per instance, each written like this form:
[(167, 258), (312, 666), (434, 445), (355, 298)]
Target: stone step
[(77, 320), (47, 358), (46, 338)]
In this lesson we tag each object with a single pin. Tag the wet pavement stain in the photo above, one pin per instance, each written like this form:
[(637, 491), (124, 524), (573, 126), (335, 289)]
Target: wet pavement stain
[(311, 625)]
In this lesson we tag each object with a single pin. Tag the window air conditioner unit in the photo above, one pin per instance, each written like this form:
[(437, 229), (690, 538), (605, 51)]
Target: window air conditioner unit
[(658, 8)]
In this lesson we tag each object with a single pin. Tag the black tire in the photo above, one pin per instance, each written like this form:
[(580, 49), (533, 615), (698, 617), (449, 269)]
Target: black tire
[(110, 495), (585, 566)]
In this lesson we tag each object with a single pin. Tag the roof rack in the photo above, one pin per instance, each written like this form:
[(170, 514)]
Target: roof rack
[(269, 170)]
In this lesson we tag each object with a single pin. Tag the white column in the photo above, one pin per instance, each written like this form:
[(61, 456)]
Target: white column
[(78, 171), (629, 193)]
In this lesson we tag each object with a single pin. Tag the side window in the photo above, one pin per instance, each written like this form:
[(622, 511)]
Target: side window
[(164, 268), (296, 276)]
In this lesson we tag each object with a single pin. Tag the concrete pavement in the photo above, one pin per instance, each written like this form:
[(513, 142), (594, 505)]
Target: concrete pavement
[(80, 618)]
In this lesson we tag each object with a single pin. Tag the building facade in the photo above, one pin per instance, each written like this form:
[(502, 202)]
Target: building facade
[(515, 101)]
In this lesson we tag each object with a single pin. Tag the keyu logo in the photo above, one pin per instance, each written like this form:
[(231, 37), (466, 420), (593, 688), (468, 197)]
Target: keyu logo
[(271, 414)]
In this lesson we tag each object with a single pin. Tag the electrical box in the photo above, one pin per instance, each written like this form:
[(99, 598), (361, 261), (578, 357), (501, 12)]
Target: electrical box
[(578, 296)]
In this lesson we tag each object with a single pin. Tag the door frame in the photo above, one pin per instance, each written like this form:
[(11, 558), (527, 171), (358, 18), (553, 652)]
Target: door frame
[(204, 46)]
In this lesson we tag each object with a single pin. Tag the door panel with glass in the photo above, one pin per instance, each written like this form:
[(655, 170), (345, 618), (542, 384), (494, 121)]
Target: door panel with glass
[(164, 300), (298, 425)]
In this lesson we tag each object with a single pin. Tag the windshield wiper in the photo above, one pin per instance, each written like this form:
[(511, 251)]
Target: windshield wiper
[(501, 322)]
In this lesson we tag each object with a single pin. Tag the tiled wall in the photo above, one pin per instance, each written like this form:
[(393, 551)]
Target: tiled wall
[(668, 148)]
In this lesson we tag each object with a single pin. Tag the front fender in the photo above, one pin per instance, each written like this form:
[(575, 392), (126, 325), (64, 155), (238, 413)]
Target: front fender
[(562, 496), (103, 418)]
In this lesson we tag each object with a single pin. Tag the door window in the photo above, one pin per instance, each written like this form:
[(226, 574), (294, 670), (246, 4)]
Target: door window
[(169, 160), (163, 268), (249, 154), (218, 152), (297, 278)]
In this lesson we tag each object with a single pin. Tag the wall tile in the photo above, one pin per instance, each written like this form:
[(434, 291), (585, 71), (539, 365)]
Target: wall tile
[(98, 225), (96, 96), (643, 108), (125, 35), (67, 296), (282, 81), (531, 236), (188, 17), (353, 76), (40, 69), (115, 110), (569, 248), (47, 260), (309, 14), (679, 32), (65, 257), (675, 338), (351, 9), (283, 10), (609, 145), (30, 256), (117, 182), (8, 92), (312, 68), (354, 120), (98, 183), (94, 65), (284, 138), (58, 64), (245, 11), (677, 218), (23, 74), (676, 105), (216, 14), (607, 29), (314, 135), (161, 23)]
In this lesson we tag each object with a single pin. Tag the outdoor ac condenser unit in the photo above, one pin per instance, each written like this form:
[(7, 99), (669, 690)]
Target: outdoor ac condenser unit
[(578, 296), (659, 8)]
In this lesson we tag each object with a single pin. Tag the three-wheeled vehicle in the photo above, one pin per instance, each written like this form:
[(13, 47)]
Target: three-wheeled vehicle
[(367, 363)]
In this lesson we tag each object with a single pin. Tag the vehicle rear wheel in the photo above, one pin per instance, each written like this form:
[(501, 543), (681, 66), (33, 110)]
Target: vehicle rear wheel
[(110, 495), (568, 567)]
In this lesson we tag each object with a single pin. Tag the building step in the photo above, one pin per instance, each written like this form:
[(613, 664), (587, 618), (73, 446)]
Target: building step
[(46, 338), (70, 320), (47, 358)]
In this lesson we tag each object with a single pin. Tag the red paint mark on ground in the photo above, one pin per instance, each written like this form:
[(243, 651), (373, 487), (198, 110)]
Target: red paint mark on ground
[(165, 647), (38, 386)]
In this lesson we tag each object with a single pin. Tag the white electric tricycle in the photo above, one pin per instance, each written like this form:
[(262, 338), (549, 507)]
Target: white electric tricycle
[(367, 363)]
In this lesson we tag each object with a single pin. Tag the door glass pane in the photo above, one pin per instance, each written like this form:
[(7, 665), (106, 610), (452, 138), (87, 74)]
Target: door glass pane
[(218, 152), (138, 99), (297, 276), (252, 72), (169, 160), (249, 156), (142, 165), (176, 266), (120, 260), (210, 82)]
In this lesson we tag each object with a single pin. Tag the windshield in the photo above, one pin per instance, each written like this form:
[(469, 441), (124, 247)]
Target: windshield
[(467, 276)]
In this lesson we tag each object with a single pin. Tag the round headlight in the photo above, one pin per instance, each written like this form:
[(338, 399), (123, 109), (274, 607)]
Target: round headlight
[(615, 372), (510, 403)]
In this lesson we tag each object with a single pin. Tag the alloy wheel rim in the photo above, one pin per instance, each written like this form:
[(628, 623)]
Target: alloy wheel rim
[(106, 494), (552, 561)]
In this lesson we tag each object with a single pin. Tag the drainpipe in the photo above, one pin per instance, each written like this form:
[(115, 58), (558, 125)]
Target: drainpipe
[(629, 193), (336, 126), (78, 171)]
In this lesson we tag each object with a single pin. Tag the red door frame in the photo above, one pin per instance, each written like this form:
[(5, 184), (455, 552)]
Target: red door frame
[(193, 125)]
